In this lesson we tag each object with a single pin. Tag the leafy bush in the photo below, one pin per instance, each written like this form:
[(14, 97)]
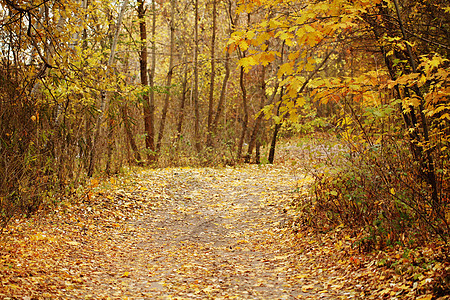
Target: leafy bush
[(380, 192)]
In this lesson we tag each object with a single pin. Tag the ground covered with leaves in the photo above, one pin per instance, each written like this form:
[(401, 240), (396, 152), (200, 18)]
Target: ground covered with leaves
[(197, 233)]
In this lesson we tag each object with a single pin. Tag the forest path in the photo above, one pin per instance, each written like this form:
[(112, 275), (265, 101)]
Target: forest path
[(178, 233)]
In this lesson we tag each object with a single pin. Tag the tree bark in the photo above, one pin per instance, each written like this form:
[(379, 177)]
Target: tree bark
[(273, 143), (245, 116), (169, 78), (195, 94), (212, 77), (223, 92), (258, 120), (431, 173), (147, 101), (130, 136), (244, 105), (182, 103)]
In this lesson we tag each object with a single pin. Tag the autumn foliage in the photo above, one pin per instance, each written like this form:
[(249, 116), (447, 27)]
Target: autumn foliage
[(76, 102), (93, 88), (380, 70)]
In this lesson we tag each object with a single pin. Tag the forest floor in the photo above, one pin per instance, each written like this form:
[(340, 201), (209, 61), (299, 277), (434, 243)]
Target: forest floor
[(189, 233)]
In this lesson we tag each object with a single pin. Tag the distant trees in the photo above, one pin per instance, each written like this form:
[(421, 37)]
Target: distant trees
[(77, 74), (221, 79)]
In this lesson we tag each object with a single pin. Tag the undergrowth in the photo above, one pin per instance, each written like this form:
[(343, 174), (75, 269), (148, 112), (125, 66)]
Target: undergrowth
[(377, 197)]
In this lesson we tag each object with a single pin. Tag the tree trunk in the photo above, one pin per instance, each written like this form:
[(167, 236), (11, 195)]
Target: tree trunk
[(273, 143), (245, 116), (431, 173), (258, 152), (255, 131), (147, 101), (244, 105), (110, 145), (169, 78), (130, 136), (182, 103), (223, 92), (195, 94), (212, 77), (221, 103)]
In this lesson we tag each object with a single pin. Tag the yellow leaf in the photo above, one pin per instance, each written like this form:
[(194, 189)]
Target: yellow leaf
[(445, 116), (309, 67), (73, 243), (126, 274), (263, 37), (305, 288), (294, 55), (243, 45), (425, 297), (392, 191), (250, 34), (266, 58), (285, 69), (247, 62)]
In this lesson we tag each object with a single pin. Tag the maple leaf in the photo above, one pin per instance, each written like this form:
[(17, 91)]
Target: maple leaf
[(285, 69)]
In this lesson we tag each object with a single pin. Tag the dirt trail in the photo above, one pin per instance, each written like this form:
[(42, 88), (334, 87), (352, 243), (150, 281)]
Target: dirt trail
[(212, 234), (174, 234)]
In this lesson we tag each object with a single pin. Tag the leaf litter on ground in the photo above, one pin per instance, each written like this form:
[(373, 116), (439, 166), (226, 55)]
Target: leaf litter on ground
[(192, 233)]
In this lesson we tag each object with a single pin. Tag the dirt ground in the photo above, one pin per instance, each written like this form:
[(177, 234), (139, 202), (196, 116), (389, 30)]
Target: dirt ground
[(172, 233), (187, 233)]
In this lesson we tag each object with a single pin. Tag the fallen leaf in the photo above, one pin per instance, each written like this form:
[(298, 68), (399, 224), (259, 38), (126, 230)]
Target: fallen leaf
[(73, 243)]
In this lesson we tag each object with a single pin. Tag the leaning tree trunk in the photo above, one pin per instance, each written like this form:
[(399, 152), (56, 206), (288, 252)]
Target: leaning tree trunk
[(245, 111), (277, 127)]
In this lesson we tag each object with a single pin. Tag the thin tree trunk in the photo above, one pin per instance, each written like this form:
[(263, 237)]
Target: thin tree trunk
[(223, 92), (221, 103), (147, 102), (130, 136), (212, 77), (273, 143), (110, 145), (255, 131), (110, 137), (245, 116), (182, 103), (195, 95), (409, 119), (244, 105), (152, 84), (169, 78), (88, 116)]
